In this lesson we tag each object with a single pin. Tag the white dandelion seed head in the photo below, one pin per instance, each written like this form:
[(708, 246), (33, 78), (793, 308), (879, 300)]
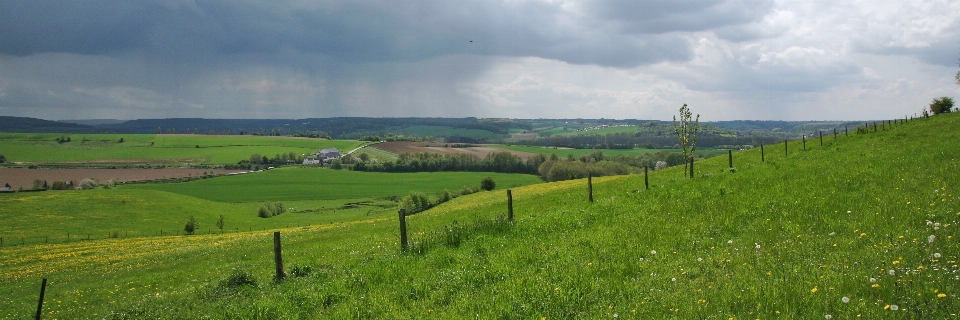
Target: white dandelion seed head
[(729, 241), (891, 272), (828, 317), (701, 259), (936, 255), (641, 259), (937, 224), (756, 245), (673, 279), (845, 300), (873, 280), (931, 238), (616, 315), (936, 228), (833, 233), (653, 251), (929, 223), (894, 307), (848, 211)]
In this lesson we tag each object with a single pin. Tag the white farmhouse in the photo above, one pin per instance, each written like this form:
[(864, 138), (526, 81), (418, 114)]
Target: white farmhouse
[(329, 154)]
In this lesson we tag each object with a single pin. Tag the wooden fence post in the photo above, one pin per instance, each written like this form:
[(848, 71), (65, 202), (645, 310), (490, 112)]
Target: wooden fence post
[(785, 153), (821, 138), (846, 131), (590, 186), (834, 133), (730, 158), (804, 137), (509, 205), (874, 126), (277, 257), (43, 290), (761, 153), (403, 229), (691, 167), (646, 179)]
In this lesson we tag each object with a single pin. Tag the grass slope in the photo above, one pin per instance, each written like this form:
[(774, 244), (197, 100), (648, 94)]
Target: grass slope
[(870, 218)]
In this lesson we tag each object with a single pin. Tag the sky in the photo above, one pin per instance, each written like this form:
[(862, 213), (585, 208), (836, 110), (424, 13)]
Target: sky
[(613, 59)]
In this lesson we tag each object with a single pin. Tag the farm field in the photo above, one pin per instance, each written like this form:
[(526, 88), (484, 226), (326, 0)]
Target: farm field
[(414, 147), (563, 152), (289, 184), (23, 177), (863, 227), (26, 148)]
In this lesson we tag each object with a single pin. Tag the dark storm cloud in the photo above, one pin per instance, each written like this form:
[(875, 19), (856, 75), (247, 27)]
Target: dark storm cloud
[(363, 31)]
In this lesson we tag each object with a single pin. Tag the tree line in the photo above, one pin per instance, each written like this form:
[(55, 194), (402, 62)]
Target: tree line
[(551, 168)]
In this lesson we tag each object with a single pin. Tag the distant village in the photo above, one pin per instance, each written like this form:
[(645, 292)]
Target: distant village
[(323, 156)]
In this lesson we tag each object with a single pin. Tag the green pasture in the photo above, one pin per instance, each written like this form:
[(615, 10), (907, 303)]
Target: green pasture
[(141, 148), (297, 183), (863, 227), (563, 152)]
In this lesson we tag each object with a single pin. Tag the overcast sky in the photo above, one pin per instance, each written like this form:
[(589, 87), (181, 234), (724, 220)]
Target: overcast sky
[(621, 59)]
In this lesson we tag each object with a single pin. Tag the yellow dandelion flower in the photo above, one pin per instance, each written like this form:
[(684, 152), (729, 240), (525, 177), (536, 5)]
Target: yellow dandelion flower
[(895, 262), (876, 285), (814, 290), (942, 295), (886, 307)]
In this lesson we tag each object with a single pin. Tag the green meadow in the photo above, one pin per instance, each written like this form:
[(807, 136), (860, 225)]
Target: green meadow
[(863, 227), (312, 196), (144, 148)]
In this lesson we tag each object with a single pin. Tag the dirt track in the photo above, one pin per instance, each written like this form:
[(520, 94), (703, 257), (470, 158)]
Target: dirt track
[(19, 177), (413, 147)]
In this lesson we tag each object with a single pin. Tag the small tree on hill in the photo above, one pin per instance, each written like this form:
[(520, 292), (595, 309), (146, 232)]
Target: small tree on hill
[(3, 158), (191, 226), (941, 105), (487, 184), (686, 131), (220, 223)]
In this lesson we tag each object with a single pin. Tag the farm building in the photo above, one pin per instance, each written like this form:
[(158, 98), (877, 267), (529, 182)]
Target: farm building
[(329, 154)]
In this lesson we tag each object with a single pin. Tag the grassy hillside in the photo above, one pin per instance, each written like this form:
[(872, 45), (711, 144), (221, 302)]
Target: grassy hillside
[(863, 226), (145, 148)]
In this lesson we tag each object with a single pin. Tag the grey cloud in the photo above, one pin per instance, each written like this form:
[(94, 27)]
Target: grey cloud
[(651, 16)]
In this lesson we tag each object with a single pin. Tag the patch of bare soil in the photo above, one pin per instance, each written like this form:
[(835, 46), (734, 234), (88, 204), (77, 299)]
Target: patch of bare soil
[(21, 177), (413, 147)]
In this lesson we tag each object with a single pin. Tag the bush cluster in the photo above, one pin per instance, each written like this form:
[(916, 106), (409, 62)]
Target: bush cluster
[(418, 201), (270, 209)]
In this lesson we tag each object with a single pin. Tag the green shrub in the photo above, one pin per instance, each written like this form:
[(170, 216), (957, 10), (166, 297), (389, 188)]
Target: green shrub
[(271, 209), (191, 225), (487, 184)]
